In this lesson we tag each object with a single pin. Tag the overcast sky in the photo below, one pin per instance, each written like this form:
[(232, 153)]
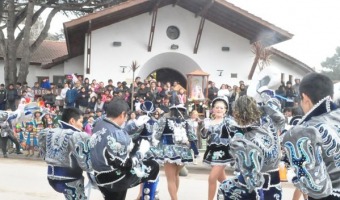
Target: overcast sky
[(314, 23)]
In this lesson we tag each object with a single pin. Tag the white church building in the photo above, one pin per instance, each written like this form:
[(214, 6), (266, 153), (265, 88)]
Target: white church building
[(169, 38)]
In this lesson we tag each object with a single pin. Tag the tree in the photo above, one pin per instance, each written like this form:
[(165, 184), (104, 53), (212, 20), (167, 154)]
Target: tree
[(57, 36), (331, 66), (262, 58), (134, 67), (13, 13)]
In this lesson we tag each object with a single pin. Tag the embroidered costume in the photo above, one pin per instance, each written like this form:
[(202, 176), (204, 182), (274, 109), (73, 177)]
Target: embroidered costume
[(114, 160), (256, 149), (66, 152), (313, 150), (173, 136), (149, 130), (218, 137), (7, 132)]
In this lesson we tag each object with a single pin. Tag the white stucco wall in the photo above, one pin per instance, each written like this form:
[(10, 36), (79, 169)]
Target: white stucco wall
[(74, 65), (134, 35)]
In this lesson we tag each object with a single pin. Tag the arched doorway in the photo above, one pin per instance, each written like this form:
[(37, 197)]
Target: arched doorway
[(169, 66), (168, 75)]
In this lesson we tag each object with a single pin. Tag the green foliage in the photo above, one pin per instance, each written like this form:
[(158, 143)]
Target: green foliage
[(331, 66)]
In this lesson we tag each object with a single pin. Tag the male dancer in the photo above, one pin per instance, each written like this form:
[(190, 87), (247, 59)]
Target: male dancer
[(313, 145), (7, 132), (117, 166), (66, 152)]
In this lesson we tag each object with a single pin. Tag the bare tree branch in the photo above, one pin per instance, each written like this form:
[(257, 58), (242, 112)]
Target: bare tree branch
[(44, 32)]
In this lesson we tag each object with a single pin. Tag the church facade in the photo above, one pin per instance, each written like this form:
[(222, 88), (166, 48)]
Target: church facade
[(175, 35)]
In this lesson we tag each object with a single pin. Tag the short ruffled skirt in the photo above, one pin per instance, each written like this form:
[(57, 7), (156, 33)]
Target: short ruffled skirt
[(217, 154), (169, 152)]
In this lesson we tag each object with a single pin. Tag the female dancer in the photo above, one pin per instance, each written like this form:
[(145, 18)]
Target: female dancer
[(256, 148), (174, 147), (217, 132)]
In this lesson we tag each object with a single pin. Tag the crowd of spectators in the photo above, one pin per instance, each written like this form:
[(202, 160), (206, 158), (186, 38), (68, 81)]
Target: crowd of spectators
[(90, 96)]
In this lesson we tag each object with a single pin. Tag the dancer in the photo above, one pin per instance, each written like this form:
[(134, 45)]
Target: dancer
[(148, 190), (7, 132), (217, 154), (312, 146), (118, 164), (256, 149), (174, 147), (66, 152)]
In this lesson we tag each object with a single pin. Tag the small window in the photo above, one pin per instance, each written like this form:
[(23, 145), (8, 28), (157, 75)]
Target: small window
[(233, 75)]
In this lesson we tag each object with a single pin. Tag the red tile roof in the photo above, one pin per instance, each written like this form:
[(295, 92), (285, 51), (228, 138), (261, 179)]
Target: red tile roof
[(49, 53)]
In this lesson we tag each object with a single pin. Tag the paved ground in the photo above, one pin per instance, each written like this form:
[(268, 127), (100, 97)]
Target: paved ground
[(23, 178)]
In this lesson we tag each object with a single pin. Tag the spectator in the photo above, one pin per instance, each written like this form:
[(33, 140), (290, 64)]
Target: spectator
[(71, 97), (36, 86), (109, 85), (83, 99), (212, 91), (182, 97), (45, 84), (89, 126), (290, 94), (49, 98), (12, 95), (296, 89), (223, 91), (142, 91), (3, 97), (243, 90), (92, 103)]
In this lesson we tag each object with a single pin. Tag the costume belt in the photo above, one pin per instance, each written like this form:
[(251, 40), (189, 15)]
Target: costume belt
[(64, 172), (270, 178)]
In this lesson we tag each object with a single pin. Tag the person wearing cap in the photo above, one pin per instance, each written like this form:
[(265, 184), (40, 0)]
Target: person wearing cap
[(255, 146), (65, 150), (217, 133), (174, 147), (312, 146)]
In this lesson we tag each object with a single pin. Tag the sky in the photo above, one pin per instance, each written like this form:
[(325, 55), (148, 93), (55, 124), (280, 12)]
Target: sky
[(315, 25)]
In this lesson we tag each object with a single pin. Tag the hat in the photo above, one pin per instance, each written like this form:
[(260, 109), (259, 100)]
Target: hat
[(29, 123), (38, 111), (178, 107), (147, 107), (224, 99)]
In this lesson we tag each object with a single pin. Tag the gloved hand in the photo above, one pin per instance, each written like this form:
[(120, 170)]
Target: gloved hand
[(207, 123), (144, 147), (291, 175), (142, 120), (134, 161)]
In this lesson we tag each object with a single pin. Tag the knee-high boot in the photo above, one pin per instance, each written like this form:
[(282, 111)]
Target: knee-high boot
[(150, 190)]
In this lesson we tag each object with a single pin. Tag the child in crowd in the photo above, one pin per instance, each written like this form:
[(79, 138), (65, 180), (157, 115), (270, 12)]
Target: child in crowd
[(194, 120), (89, 126), (31, 139)]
